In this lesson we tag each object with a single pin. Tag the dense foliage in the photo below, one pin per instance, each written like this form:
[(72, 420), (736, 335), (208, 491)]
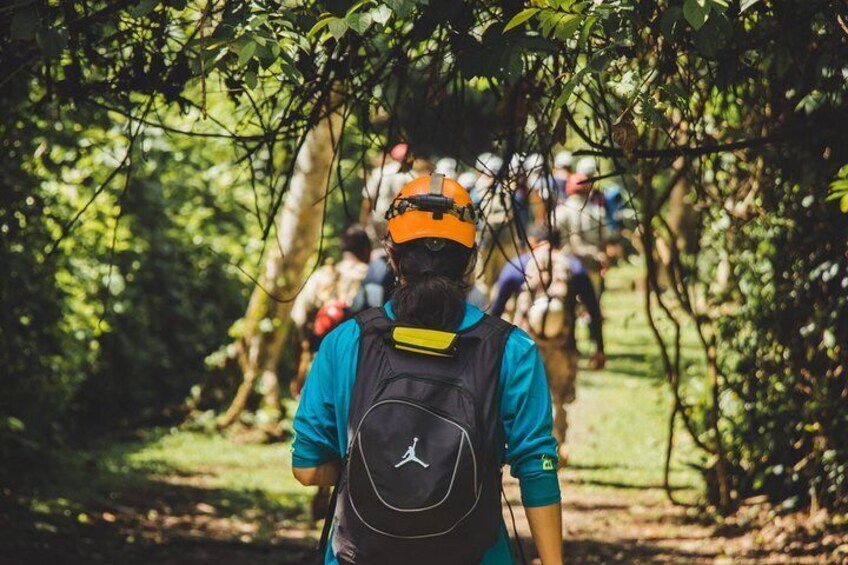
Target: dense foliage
[(115, 281), (785, 381), (179, 121)]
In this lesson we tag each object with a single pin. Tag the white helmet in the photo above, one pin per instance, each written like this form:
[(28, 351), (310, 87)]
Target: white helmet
[(467, 179), (534, 162), (586, 166), (488, 164), (446, 166), (515, 163), (563, 159)]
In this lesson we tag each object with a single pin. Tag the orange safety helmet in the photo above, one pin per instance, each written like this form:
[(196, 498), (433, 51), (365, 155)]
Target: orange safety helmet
[(432, 206)]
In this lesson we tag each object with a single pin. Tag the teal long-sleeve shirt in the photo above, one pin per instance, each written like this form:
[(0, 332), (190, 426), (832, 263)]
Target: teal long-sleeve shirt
[(321, 421)]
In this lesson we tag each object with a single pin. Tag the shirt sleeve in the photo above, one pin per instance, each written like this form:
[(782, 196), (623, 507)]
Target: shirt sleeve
[(531, 450), (509, 283), (316, 437)]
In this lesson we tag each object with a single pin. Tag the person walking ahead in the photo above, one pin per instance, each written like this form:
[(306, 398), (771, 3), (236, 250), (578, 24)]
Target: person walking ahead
[(411, 409)]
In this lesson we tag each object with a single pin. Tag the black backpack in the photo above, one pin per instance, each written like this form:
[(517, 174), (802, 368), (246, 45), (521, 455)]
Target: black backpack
[(422, 477)]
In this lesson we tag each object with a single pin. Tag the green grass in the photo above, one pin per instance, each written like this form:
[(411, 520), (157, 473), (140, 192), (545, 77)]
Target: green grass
[(617, 439), (617, 435), (171, 472), (220, 462), (618, 425)]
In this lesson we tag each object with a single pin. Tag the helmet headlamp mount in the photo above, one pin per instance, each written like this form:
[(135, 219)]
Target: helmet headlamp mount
[(438, 204), (434, 202)]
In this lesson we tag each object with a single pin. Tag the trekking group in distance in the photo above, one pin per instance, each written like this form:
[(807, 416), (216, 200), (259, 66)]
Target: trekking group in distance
[(442, 345)]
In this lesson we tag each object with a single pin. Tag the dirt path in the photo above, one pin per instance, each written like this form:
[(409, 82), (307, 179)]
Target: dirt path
[(193, 499), (178, 525), (636, 528)]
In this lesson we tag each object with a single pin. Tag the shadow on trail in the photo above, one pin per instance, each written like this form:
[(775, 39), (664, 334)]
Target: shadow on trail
[(625, 486), (588, 551), (105, 511), (599, 466)]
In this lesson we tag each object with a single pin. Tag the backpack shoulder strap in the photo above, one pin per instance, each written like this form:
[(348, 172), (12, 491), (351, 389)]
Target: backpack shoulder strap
[(373, 322), (371, 317), (496, 327)]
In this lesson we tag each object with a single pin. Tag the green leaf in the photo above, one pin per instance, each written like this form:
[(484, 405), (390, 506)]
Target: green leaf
[(143, 8), (250, 79), (24, 22), (355, 8), (840, 185), (548, 20), (566, 26), (719, 5), (746, 4), (710, 39), (564, 97), (669, 20), (338, 27), (580, 7), (843, 204), (52, 41), (381, 14), (319, 25), (586, 32), (267, 55), (246, 52), (696, 12), (513, 68), (600, 61), (358, 22), (707, 41), (520, 18), (401, 8), (15, 424)]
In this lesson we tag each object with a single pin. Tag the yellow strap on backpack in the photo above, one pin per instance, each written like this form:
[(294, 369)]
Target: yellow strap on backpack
[(425, 341)]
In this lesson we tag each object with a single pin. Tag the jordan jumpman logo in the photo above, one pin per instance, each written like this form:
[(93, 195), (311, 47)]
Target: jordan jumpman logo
[(410, 456)]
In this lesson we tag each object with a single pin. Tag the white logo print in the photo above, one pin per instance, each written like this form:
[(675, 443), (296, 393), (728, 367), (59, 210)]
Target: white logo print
[(410, 456)]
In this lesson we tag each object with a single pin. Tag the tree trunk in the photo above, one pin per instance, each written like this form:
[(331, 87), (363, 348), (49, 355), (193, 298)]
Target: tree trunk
[(298, 230)]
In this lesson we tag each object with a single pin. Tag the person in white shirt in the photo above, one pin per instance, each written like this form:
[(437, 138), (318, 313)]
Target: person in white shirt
[(582, 222), (382, 185)]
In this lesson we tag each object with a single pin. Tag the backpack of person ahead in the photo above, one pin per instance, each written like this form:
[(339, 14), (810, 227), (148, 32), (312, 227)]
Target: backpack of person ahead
[(421, 480), (545, 306), (328, 316)]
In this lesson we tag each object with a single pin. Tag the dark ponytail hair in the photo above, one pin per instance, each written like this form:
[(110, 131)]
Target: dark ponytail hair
[(432, 285)]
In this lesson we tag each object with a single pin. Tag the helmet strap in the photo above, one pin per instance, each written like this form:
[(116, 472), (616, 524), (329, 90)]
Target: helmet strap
[(437, 182)]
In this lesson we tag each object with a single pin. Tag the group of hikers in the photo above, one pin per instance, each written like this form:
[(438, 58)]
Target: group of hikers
[(432, 351)]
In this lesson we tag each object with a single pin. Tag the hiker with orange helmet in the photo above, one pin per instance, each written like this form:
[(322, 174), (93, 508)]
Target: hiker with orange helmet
[(412, 408)]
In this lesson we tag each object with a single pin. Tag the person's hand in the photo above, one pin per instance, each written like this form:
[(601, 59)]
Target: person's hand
[(598, 361)]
